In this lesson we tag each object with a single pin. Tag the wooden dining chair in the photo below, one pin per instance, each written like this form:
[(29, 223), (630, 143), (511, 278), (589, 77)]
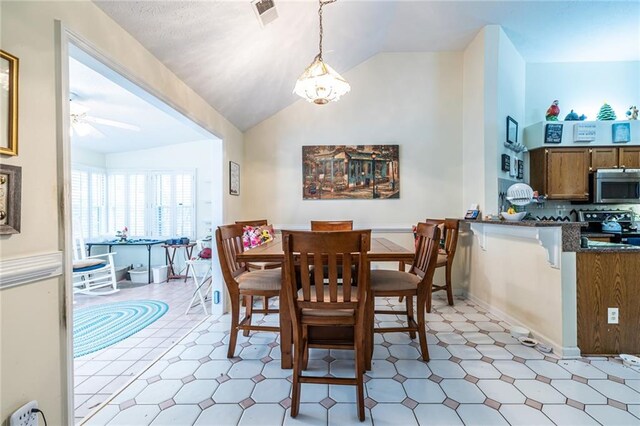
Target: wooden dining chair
[(326, 301), (241, 282), (258, 265), (445, 255), (331, 225), (415, 283)]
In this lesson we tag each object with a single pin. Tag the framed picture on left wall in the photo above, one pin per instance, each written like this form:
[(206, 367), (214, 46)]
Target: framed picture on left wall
[(8, 104), (10, 199), (234, 178)]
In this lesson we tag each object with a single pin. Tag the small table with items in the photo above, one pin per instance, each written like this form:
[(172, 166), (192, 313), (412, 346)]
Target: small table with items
[(170, 253), (129, 242)]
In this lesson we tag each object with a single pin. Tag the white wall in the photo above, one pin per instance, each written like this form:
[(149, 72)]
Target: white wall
[(410, 99), (581, 86), (511, 97), (33, 329), (85, 157), (473, 188)]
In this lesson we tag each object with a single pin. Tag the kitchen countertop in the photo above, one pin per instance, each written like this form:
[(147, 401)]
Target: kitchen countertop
[(535, 223)]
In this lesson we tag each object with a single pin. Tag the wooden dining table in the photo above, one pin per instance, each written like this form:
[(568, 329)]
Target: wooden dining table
[(382, 250)]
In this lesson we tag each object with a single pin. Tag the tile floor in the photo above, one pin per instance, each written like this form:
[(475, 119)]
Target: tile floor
[(98, 375), (478, 375)]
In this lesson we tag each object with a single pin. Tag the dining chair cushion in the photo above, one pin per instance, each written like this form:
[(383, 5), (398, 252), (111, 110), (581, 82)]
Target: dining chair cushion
[(442, 260), (267, 279), (387, 280)]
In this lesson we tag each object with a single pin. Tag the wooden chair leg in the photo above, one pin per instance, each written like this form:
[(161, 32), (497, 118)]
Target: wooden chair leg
[(248, 306), (422, 329), (400, 299), (265, 303), (448, 283), (409, 306), (297, 371), (429, 297), (233, 333), (359, 358), (305, 349)]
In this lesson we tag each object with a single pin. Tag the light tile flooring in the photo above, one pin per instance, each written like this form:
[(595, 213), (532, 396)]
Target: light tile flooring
[(98, 375), (478, 375)]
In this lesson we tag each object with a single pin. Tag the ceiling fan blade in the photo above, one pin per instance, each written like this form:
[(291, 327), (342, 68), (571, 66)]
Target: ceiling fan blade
[(112, 123), (85, 129), (77, 109)]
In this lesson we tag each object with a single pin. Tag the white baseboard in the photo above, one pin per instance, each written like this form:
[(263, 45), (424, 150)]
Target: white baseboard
[(559, 350)]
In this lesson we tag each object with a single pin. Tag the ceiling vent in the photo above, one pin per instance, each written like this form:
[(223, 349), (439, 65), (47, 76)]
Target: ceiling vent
[(265, 11)]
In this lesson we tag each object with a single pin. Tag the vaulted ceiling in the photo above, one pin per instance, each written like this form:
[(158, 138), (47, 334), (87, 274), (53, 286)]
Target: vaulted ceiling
[(248, 72)]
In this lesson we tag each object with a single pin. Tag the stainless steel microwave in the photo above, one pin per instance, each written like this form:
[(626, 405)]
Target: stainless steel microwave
[(616, 186)]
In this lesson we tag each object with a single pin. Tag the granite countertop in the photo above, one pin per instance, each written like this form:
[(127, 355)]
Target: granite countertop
[(534, 223), (602, 247)]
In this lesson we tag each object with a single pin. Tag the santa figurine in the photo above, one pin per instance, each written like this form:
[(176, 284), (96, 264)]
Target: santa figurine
[(553, 111)]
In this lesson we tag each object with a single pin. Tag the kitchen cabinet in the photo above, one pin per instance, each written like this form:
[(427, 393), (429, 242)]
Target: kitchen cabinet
[(614, 157), (608, 280), (629, 157), (560, 173), (604, 158)]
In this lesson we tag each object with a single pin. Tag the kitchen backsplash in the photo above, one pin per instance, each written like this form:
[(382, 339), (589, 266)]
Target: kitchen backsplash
[(557, 208)]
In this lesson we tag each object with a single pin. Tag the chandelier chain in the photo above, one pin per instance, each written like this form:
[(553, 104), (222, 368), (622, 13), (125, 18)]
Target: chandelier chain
[(322, 3)]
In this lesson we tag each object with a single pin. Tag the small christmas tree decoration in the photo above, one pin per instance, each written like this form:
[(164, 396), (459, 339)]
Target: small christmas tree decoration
[(553, 112), (606, 113)]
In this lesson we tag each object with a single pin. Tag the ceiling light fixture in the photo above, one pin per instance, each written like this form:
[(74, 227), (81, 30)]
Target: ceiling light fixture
[(320, 83)]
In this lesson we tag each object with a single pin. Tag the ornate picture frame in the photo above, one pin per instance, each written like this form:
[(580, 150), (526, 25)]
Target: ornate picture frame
[(234, 178), (9, 65), (10, 199)]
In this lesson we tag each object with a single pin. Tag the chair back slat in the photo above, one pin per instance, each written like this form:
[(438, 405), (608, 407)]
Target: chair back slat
[(326, 252), (448, 232), (347, 262), (451, 227), (331, 225), (306, 281), (424, 262)]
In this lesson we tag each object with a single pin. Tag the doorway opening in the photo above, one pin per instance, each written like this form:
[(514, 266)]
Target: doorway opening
[(146, 191)]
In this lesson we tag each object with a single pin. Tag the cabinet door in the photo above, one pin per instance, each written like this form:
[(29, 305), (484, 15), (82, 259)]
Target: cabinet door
[(604, 158), (630, 157), (567, 173)]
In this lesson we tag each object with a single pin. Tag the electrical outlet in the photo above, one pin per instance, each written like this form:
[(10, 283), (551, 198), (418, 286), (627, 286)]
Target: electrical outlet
[(612, 315), (23, 416)]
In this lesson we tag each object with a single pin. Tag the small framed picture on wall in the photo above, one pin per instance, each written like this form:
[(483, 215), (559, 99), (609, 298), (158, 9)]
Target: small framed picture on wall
[(234, 178), (512, 130)]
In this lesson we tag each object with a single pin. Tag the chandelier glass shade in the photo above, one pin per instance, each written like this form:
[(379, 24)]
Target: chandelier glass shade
[(320, 83)]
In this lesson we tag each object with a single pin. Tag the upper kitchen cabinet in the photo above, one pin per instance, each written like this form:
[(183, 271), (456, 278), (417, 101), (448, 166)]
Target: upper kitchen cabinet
[(629, 157), (604, 158), (560, 173), (615, 158)]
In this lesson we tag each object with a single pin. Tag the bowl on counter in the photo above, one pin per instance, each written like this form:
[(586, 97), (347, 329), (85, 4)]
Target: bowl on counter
[(513, 217)]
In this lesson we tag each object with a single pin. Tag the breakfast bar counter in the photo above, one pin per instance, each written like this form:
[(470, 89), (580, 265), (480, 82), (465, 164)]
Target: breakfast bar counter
[(531, 273)]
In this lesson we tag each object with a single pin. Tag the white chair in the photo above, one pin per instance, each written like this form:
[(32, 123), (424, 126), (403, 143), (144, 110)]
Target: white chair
[(92, 272), (201, 274)]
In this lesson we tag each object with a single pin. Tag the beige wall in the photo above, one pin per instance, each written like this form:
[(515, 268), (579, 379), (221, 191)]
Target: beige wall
[(32, 330), (513, 277), (410, 99)]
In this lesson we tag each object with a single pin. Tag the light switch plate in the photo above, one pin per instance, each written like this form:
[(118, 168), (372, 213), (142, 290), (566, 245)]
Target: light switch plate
[(613, 316)]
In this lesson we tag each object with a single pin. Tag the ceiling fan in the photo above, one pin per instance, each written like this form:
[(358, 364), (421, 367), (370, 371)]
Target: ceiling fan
[(83, 124)]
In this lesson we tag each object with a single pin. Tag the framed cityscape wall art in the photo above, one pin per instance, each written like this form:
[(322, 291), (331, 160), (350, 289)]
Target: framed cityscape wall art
[(360, 172)]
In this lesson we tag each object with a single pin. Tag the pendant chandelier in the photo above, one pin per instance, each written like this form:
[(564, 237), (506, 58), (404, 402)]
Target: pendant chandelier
[(320, 83)]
